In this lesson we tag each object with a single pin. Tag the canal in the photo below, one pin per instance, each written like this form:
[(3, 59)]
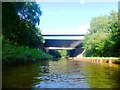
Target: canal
[(62, 73)]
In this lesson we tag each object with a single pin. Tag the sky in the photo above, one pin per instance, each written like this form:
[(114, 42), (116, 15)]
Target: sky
[(71, 17)]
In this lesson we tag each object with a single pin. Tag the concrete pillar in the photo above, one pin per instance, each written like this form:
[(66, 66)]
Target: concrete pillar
[(101, 60), (47, 49), (110, 62), (80, 53)]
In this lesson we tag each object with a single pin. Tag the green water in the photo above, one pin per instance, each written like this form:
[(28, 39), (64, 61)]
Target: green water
[(62, 73)]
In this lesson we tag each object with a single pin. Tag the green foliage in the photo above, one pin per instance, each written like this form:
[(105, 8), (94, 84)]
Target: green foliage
[(19, 20), (30, 34), (63, 53), (103, 38), (115, 33), (55, 53), (14, 53), (29, 11), (10, 21), (58, 53), (99, 24), (21, 38)]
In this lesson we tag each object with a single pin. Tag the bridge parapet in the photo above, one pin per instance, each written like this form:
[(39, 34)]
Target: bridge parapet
[(64, 36)]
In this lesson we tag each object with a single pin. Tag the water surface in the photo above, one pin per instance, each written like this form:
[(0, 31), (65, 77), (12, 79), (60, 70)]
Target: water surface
[(62, 73)]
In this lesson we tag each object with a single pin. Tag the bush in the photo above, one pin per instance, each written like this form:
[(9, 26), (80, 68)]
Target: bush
[(21, 54)]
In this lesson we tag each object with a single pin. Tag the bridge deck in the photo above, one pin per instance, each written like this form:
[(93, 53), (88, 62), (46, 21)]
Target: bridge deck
[(63, 35), (63, 41)]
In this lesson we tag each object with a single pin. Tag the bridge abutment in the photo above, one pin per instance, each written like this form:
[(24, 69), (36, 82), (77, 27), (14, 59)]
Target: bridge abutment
[(47, 49)]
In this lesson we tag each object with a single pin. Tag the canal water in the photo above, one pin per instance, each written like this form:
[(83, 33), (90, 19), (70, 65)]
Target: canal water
[(62, 73)]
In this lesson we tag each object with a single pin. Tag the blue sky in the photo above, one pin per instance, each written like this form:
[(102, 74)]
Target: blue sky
[(71, 17)]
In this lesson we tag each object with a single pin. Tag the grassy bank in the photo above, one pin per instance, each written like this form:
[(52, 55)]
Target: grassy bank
[(13, 54)]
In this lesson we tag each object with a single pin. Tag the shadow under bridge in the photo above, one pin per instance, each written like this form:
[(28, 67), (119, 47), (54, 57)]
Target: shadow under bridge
[(73, 43)]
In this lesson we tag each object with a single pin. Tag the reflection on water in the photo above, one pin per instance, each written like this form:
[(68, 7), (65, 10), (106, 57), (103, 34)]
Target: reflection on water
[(103, 75), (62, 74)]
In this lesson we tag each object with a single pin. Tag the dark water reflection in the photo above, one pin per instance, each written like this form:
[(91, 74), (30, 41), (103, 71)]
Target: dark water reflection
[(62, 74)]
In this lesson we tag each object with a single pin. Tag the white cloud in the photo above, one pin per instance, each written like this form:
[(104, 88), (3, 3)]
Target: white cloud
[(82, 1)]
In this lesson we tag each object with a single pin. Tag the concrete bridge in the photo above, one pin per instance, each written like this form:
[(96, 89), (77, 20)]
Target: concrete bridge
[(72, 42)]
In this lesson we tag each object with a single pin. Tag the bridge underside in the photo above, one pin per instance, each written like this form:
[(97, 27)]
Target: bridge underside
[(74, 46), (70, 42), (63, 44)]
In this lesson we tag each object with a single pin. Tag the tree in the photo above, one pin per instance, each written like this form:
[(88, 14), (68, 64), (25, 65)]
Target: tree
[(114, 33), (29, 11), (94, 41), (99, 23), (10, 21), (63, 53), (103, 38), (19, 23)]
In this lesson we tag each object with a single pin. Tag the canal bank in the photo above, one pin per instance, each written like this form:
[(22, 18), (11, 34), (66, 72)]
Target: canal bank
[(62, 73), (98, 59)]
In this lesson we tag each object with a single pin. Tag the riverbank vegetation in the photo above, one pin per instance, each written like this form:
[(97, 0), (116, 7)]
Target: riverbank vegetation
[(21, 38), (58, 53), (63, 53), (13, 54), (103, 39)]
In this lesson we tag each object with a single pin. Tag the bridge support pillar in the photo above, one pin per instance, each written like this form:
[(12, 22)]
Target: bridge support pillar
[(80, 53), (47, 49)]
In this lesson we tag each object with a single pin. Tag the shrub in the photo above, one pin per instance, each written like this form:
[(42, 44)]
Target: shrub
[(21, 54)]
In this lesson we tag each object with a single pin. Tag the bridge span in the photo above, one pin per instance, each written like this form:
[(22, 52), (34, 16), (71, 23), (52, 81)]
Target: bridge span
[(72, 42)]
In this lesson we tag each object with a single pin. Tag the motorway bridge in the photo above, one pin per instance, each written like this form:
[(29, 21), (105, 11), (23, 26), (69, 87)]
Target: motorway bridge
[(72, 42)]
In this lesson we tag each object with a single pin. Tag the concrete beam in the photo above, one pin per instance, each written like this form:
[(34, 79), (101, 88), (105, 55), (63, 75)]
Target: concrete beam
[(60, 48), (63, 35)]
